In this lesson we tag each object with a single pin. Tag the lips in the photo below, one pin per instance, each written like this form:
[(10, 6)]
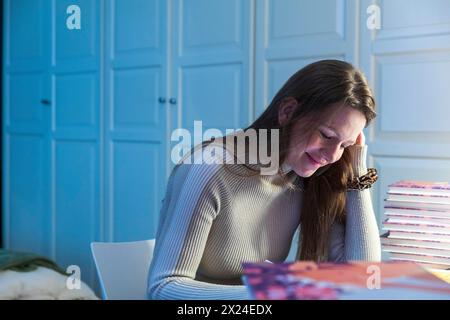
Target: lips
[(312, 159)]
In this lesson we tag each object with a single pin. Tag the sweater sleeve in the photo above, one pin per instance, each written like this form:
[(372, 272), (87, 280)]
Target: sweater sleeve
[(192, 201), (359, 238)]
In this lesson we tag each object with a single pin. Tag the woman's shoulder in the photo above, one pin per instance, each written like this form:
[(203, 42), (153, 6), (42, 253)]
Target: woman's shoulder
[(212, 161), (202, 161)]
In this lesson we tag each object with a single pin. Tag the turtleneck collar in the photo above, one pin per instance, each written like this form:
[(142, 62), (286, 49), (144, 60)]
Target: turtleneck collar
[(286, 168)]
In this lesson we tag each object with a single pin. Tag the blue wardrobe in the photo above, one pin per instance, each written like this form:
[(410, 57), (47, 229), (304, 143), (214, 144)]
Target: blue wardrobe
[(88, 113)]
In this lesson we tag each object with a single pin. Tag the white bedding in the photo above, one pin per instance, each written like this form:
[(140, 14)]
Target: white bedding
[(40, 284)]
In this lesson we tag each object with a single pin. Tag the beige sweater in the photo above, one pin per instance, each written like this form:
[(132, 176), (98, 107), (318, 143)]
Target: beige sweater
[(213, 220)]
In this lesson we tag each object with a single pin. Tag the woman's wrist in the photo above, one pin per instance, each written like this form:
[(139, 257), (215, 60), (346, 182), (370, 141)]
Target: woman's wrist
[(359, 158)]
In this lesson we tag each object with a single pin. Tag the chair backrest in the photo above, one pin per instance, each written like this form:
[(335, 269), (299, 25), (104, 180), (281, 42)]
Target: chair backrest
[(122, 268)]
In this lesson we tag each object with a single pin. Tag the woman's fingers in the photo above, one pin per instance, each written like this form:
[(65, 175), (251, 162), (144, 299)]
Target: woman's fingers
[(361, 139)]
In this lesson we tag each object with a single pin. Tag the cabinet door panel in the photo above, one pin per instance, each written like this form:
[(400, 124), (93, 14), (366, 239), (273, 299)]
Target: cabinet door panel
[(135, 120), (26, 220), (26, 23), (293, 33), (211, 64), (75, 134)]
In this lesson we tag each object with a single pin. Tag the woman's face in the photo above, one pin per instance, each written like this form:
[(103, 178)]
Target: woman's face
[(327, 142)]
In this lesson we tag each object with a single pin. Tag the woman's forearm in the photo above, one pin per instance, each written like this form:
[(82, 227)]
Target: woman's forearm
[(362, 241)]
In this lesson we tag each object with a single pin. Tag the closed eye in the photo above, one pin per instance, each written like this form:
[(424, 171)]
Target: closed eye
[(324, 136), (328, 138)]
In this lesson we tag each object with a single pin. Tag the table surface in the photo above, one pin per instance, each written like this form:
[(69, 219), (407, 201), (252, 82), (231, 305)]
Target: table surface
[(442, 274)]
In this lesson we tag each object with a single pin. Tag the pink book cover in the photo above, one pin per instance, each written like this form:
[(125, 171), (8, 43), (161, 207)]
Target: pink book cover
[(445, 220), (421, 184), (417, 222), (416, 205), (439, 228), (343, 281), (411, 249), (399, 207), (424, 257), (414, 235), (417, 196), (426, 244)]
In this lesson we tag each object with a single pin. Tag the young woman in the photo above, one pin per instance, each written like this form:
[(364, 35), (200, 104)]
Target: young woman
[(216, 216)]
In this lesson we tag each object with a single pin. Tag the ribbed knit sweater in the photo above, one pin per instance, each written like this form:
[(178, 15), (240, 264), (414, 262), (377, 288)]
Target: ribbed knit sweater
[(212, 220)]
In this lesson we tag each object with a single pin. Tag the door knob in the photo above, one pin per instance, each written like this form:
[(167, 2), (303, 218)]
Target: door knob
[(173, 101)]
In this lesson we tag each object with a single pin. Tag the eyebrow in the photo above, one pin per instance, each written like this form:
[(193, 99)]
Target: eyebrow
[(337, 134)]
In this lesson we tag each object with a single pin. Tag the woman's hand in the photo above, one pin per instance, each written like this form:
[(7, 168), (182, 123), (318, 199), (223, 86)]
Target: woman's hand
[(361, 139)]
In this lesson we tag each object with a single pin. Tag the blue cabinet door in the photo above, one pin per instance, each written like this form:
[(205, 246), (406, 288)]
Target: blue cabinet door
[(84, 128), (75, 135), (88, 113), (51, 131), (211, 69), (291, 34), (135, 117), (26, 115)]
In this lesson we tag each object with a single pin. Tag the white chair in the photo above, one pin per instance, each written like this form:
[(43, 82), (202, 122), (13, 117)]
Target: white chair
[(122, 268)]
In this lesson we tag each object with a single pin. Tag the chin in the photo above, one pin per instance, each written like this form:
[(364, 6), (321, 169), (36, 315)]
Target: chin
[(304, 173)]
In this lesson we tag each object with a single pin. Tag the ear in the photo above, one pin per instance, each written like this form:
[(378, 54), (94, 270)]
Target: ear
[(285, 109)]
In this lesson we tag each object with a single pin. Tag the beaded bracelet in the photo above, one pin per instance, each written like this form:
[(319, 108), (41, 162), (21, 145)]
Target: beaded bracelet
[(363, 182)]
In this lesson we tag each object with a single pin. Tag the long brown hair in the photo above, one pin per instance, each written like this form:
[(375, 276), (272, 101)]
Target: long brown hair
[(316, 88)]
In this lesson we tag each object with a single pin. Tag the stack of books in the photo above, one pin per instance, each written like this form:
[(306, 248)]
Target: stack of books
[(417, 221)]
